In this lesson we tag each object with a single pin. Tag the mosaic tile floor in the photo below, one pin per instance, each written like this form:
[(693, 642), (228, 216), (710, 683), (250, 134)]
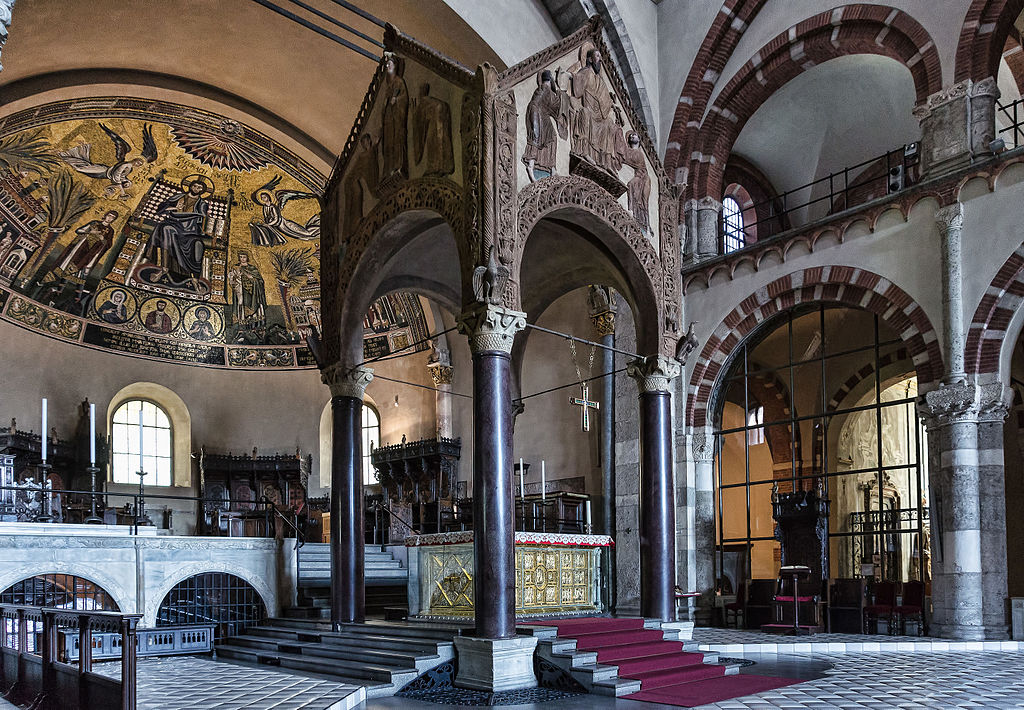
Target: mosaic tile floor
[(732, 641), (198, 683)]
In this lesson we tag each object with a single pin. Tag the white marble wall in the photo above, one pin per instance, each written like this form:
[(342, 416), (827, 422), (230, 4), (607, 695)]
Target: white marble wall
[(138, 571)]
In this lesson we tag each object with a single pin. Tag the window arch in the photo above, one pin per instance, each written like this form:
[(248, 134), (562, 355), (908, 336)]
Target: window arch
[(212, 597), (141, 439), (371, 440), (733, 235), (181, 427)]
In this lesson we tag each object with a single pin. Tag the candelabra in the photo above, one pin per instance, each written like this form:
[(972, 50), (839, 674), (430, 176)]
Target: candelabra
[(140, 510), (93, 518), (45, 502)]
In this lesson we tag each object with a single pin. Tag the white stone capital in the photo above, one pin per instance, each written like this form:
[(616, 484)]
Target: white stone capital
[(347, 381), (653, 374), (490, 328), (950, 217), (440, 373), (965, 402)]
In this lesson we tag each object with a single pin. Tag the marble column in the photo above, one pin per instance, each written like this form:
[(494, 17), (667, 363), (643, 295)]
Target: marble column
[(491, 330), (957, 125), (702, 220), (702, 454), (348, 603), (442, 372), (950, 221), (601, 300), (968, 509), (653, 376)]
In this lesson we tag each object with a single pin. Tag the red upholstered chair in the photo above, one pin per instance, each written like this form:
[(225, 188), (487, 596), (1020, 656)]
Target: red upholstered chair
[(737, 607), (884, 607), (912, 606)]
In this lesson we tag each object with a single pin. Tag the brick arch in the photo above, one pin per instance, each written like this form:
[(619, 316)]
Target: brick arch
[(843, 31), (1003, 297), (844, 285), (726, 30), (769, 391), (983, 37)]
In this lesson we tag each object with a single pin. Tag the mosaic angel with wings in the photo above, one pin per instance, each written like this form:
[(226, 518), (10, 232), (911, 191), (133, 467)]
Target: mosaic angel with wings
[(275, 226), (117, 173)]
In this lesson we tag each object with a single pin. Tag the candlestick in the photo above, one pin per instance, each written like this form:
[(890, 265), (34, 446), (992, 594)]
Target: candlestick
[(43, 435), (587, 509), (522, 479), (92, 434), (543, 481), (141, 467)]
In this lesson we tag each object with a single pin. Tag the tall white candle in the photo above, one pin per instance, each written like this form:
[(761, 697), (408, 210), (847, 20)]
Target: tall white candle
[(140, 439), (543, 481), (43, 437), (92, 434), (588, 513), (522, 479)]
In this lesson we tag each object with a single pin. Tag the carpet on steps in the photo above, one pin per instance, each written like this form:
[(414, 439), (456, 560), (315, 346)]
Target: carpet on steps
[(711, 690), (661, 661), (635, 651)]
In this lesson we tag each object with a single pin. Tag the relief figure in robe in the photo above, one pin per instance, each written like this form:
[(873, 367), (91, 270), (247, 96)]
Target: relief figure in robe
[(178, 242), (638, 189), (432, 134), (394, 119), (360, 183), (548, 109), (597, 135)]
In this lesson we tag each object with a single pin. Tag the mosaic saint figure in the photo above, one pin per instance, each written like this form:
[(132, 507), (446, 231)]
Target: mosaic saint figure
[(178, 244), (275, 227), (638, 189), (201, 328), (248, 290), (158, 321), (94, 239), (114, 310), (395, 115), (548, 109), (432, 134)]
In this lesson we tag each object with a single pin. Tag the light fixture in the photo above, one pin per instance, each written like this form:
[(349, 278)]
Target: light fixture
[(396, 400)]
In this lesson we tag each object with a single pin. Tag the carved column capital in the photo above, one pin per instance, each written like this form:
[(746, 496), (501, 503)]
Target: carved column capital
[(490, 328), (653, 374), (347, 382), (961, 402), (6, 6), (702, 447), (950, 217), (441, 374), (601, 300)]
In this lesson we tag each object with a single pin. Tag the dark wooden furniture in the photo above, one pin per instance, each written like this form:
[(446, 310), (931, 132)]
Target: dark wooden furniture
[(558, 512), (418, 481), (797, 603), (736, 608), (758, 610), (239, 493), (883, 607), (911, 607), (846, 606)]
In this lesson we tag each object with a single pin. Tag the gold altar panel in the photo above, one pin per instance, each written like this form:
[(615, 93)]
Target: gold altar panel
[(450, 571), (554, 579)]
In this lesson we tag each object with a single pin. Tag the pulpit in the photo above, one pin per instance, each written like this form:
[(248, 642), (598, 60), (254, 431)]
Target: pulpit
[(418, 480), (556, 575)]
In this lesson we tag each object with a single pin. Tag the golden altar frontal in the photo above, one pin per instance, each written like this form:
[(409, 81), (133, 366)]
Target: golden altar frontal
[(556, 574)]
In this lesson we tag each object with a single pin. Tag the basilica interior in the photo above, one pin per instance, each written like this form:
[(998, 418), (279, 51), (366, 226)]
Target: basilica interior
[(583, 353)]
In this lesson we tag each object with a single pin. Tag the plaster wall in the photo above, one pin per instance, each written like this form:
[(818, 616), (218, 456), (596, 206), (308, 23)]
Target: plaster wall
[(640, 19), (534, 28), (138, 571)]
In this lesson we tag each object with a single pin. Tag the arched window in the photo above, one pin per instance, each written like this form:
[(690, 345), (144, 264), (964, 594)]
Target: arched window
[(141, 436), (371, 438), (212, 598), (732, 225)]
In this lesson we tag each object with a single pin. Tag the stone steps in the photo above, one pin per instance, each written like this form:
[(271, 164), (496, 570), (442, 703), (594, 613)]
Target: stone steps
[(382, 658)]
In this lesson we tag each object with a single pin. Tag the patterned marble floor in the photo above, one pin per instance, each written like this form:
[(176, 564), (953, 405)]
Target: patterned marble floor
[(857, 681), (199, 683), (731, 641)]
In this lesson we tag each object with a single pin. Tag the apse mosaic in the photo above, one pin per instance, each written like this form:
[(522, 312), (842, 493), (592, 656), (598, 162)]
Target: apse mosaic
[(164, 231)]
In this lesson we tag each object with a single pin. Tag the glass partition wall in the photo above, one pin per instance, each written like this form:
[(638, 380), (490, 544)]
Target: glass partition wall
[(822, 398)]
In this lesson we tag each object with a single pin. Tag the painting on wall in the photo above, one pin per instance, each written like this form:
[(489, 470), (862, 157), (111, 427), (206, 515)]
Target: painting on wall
[(169, 232)]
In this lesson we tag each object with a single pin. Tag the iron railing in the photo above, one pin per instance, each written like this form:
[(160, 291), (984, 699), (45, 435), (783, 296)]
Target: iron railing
[(32, 665), (853, 185), (1011, 116)]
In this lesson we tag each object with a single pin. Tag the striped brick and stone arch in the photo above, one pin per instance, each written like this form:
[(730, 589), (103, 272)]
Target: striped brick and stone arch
[(772, 393), (726, 30), (841, 285), (991, 322), (843, 31), (986, 27), (867, 372)]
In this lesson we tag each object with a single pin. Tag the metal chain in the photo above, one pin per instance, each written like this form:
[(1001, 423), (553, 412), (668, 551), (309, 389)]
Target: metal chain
[(575, 361)]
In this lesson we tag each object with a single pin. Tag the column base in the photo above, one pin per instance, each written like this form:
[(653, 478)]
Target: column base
[(958, 632), (494, 665)]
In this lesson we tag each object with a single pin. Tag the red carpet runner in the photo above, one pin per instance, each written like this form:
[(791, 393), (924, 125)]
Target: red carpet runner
[(668, 674)]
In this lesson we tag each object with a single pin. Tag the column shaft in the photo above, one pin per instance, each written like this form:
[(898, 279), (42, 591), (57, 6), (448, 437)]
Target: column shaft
[(950, 223), (657, 508), (347, 543), (494, 579)]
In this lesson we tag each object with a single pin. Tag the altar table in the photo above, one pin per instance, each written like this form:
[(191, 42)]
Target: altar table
[(557, 574)]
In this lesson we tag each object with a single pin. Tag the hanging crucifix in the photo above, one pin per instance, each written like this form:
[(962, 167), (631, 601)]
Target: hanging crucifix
[(586, 405), (584, 401)]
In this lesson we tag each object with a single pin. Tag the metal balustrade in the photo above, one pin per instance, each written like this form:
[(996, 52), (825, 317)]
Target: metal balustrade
[(35, 671)]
